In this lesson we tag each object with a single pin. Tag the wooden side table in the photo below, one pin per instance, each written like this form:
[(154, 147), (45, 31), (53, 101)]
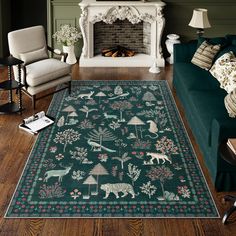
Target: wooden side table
[(10, 85), (227, 155)]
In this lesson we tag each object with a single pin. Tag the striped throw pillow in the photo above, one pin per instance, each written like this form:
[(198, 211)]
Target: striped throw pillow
[(205, 54), (230, 103)]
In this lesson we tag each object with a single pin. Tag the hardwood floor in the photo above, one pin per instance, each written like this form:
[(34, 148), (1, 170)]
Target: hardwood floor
[(15, 146)]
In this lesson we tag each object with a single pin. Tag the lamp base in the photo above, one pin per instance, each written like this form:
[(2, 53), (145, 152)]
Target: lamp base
[(200, 32)]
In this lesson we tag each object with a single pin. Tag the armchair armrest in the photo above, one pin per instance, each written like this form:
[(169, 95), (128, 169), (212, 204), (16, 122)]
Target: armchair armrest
[(184, 52), (58, 52)]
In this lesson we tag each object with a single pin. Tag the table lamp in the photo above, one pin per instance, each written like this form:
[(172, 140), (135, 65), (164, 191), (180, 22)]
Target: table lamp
[(199, 20)]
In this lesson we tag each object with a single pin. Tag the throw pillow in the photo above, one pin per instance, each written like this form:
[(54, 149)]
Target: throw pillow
[(230, 103), (205, 54), (224, 70), (33, 56)]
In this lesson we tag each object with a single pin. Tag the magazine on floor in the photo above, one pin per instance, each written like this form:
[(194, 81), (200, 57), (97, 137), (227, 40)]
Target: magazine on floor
[(37, 122)]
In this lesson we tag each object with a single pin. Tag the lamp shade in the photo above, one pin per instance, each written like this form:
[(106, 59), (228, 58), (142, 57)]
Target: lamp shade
[(199, 19)]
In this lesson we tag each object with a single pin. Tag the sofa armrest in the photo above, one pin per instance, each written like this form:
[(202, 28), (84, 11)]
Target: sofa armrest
[(184, 52)]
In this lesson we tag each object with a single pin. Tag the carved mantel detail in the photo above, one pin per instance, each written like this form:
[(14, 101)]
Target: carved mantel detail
[(121, 13)]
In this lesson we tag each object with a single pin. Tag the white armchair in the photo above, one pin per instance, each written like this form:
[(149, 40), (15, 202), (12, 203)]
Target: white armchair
[(39, 72)]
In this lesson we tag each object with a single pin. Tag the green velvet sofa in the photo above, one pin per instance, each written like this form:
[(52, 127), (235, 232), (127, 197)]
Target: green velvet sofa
[(203, 102)]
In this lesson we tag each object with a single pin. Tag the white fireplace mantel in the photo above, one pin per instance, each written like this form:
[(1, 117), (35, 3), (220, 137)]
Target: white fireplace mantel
[(134, 11)]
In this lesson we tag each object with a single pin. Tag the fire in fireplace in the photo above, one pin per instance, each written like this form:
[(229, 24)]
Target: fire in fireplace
[(118, 51)]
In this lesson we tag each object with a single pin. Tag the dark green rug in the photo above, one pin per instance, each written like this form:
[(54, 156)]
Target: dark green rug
[(117, 149)]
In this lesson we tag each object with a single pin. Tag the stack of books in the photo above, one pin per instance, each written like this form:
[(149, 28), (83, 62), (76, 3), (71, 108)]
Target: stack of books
[(232, 145), (35, 123)]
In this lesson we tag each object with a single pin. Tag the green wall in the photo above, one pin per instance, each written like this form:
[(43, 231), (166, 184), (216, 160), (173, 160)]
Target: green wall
[(177, 14), (221, 14), (16, 14)]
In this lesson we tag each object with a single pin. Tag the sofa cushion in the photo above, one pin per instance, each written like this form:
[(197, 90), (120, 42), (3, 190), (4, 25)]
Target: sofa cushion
[(230, 103), (232, 39), (46, 70), (194, 78), (229, 48), (201, 103), (205, 54), (224, 70), (223, 41), (33, 56)]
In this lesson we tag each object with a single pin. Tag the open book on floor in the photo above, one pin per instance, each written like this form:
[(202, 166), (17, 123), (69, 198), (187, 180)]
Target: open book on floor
[(37, 122)]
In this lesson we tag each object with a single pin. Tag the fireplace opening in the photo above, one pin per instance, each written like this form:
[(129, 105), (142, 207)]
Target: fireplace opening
[(118, 51), (122, 38)]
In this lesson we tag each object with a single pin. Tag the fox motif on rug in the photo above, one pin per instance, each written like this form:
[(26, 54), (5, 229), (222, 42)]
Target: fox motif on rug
[(108, 116), (86, 95), (158, 157)]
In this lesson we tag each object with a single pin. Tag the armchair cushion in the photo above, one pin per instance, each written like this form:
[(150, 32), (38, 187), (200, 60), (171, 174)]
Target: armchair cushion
[(33, 56), (43, 71), (26, 40)]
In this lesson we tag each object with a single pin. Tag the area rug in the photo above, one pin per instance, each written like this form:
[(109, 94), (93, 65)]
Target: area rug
[(117, 149)]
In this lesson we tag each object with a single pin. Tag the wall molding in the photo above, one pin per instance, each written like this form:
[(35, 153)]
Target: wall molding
[(59, 13), (65, 4), (223, 3)]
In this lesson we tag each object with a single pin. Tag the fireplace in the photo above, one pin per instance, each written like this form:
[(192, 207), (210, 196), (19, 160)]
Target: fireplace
[(134, 25), (123, 33)]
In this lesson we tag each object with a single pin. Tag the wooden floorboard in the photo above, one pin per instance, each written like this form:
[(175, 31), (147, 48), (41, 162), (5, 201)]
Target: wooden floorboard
[(15, 146)]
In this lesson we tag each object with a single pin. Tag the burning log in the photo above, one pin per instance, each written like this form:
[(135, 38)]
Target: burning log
[(118, 51)]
